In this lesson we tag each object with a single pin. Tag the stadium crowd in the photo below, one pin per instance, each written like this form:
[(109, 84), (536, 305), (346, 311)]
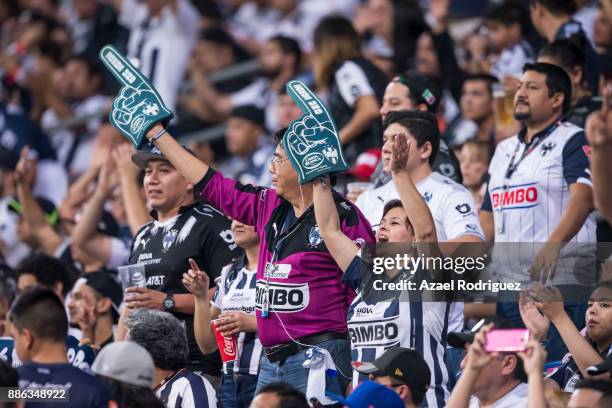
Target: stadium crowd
[(197, 271)]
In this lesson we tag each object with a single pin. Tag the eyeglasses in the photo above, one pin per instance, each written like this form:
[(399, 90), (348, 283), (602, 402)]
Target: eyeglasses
[(277, 160)]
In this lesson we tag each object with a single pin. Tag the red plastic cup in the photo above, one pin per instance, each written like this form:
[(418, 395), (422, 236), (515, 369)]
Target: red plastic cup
[(228, 346)]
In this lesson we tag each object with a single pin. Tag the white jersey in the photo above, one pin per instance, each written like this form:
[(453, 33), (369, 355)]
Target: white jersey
[(236, 293), (187, 390), (528, 206), (161, 45), (517, 398), (452, 208), (375, 326)]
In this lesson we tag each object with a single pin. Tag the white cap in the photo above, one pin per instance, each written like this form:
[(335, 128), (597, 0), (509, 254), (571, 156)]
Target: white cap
[(127, 362)]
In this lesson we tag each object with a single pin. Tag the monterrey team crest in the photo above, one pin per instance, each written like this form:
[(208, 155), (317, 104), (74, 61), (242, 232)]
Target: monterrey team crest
[(168, 239), (314, 237)]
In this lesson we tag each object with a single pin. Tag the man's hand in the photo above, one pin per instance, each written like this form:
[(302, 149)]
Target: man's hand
[(477, 357), (232, 323), (400, 153), (25, 172), (544, 264), (144, 298), (196, 281), (85, 317), (536, 322), (107, 180), (533, 358), (548, 300)]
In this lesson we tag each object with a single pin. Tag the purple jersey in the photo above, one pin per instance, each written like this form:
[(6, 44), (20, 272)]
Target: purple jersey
[(303, 283)]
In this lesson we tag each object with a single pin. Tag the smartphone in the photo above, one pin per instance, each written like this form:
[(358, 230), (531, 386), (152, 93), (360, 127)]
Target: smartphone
[(506, 340)]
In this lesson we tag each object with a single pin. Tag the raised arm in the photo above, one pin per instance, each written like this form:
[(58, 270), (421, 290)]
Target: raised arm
[(190, 167), (415, 206), (85, 233), (135, 207), (341, 247)]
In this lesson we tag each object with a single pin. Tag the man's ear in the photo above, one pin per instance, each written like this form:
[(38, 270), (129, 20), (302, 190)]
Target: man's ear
[(104, 305), (426, 150), (27, 338), (404, 393), (509, 364), (558, 99)]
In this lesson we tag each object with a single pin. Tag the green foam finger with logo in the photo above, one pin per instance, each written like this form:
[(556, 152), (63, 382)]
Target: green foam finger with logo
[(311, 142), (138, 106)]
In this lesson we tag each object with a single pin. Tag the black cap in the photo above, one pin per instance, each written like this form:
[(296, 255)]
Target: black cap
[(404, 364), (458, 339), (601, 368), (251, 113), (48, 208), (106, 285), (421, 89), (151, 152)]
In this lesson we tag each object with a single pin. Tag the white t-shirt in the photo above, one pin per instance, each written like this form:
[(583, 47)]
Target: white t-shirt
[(161, 45), (517, 398)]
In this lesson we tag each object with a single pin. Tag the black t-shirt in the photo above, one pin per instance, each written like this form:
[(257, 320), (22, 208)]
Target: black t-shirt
[(200, 232), (353, 79), (85, 390)]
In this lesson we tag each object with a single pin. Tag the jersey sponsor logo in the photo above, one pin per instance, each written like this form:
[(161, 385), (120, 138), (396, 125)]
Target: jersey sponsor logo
[(156, 280), (314, 237), (547, 148), (346, 206), (144, 243), (147, 259), (364, 311), (283, 297), (374, 333), (463, 208), (427, 196), (513, 197), (278, 271), (168, 239)]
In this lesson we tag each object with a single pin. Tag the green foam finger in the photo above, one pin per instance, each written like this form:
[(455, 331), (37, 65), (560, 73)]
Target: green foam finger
[(309, 103), (138, 106)]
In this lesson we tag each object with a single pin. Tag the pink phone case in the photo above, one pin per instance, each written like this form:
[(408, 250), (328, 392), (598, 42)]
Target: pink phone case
[(506, 340)]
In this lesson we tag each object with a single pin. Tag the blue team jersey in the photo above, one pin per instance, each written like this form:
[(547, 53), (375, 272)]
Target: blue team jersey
[(85, 390), (79, 356)]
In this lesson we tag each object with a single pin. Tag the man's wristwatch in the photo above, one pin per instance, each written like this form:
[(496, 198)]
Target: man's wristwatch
[(169, 302)]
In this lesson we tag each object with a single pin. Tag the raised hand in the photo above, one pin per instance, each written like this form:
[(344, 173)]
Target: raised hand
[(311, 142), (196, 281), (536, 322), (533, 358), (138, 105), (25, 172), (400, 153)]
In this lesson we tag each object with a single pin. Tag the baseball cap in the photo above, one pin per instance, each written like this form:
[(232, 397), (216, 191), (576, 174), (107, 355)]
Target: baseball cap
[(403, 364), (458, 339), (127, 362), (421, 89), (601, 368), (370, 395), (251, 113), (106, 285), (365, 164), (151, 152), (48, 208)]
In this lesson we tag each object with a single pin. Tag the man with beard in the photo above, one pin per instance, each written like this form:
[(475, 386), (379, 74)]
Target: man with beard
[(540, 190), (279, 61)]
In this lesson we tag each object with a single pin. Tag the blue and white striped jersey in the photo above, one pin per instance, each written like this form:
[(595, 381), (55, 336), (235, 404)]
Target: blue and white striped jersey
[(236, 293), (377, 325), (528, 206), (187, 390)]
